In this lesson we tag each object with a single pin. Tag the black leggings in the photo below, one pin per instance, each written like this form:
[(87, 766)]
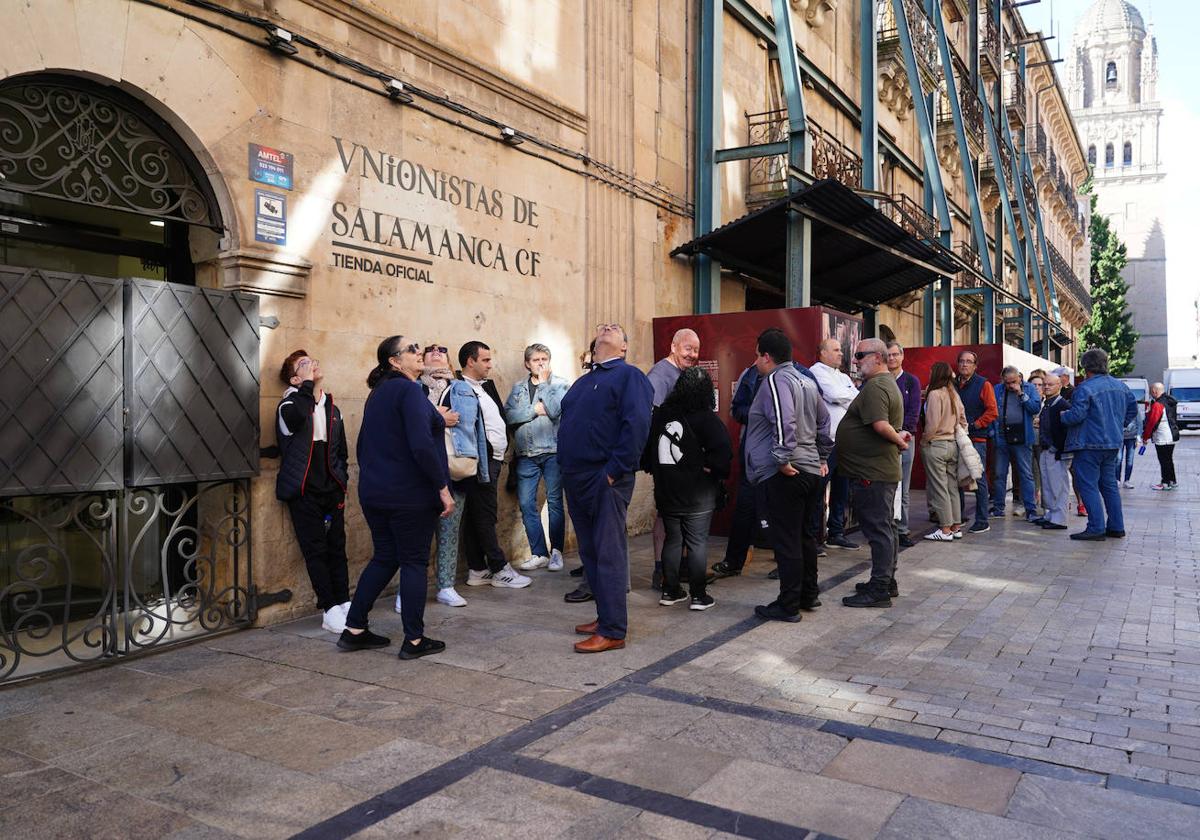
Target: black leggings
[(1166, 461)]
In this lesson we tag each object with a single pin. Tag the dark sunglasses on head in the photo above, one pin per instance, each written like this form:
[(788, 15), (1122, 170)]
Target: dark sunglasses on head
[(436, 347)]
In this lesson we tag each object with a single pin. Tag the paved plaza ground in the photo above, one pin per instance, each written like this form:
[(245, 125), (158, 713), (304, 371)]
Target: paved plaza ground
[(1023, 686)]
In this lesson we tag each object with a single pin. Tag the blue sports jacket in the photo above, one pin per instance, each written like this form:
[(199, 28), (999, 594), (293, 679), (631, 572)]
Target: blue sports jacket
[(1100, 409)]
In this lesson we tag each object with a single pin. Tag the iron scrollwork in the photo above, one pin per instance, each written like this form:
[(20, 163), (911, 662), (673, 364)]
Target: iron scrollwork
[(83, 146)]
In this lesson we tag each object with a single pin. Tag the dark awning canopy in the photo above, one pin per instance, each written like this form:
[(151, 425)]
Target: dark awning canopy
[(860, 257)]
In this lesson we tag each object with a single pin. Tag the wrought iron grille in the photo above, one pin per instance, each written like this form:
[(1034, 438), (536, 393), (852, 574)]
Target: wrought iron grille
[(1065, 278), (61, 343), (832, 159), (989, 37), (768, 175), (87, 144), (1014, 95), (97, 576), (193, 384), (910, 216), (924, 39), (967, 253)]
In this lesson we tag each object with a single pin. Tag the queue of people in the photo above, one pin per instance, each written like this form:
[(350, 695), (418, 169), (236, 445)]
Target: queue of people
[(433, 441)]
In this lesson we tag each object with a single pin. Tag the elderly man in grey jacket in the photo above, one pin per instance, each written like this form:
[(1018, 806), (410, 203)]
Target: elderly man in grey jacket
[(787, 446)]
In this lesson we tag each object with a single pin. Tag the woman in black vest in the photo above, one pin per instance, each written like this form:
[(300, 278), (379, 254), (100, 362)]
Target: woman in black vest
[(403, 481), (689, 454)]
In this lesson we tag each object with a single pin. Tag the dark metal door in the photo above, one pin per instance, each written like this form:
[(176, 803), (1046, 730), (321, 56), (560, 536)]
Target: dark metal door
[(61, 343)]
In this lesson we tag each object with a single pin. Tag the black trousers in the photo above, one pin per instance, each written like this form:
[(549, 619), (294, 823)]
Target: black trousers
[(743, 526), (479, 543), (401, 539), (323, 545), (874, 501), (790, 500), (1166, 461)]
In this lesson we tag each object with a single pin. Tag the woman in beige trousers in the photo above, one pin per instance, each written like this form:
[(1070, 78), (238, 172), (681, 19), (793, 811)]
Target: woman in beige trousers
[(939, 451)]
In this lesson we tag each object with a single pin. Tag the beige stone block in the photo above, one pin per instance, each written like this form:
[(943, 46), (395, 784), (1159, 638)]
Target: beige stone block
[(20, 53), (152, 35), (52, 25), (102, 25)]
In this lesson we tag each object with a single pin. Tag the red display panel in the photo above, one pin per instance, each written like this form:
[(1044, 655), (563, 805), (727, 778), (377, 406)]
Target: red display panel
[(727, 347)]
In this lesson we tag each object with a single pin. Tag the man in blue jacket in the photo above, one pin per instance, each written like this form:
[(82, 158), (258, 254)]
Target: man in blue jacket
[(1017, 403), (1100, 409), (605, 423)]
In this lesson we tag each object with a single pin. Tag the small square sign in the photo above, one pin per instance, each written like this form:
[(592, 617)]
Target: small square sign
[(270, 217), (270, 166)]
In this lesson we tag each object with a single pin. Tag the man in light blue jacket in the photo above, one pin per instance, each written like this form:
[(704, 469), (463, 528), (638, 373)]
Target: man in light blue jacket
[(1100, 408), (533, 409)]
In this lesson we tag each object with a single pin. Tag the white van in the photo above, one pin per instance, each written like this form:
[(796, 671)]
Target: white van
[(1141, 393), (1184, 385)]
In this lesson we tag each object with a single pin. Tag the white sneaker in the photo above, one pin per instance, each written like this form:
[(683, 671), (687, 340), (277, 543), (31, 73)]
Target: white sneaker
[(958, 535), (397, 607), (939, 536), (556, 561), (508, 578), (534, 562), (1128, 485), (479, 578), (451, 598), (334, 620)]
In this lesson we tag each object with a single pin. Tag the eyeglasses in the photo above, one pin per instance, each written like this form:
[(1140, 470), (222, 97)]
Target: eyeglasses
[(616, 327), (408, 348), (862, 354), (436, 348)]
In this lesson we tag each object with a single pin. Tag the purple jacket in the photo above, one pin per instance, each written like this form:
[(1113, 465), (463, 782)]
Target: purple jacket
[(910, 389)]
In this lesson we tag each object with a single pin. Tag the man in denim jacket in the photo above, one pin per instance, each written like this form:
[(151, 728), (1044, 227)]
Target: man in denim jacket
[(1017, 403), (533, 409), (1100, 408)]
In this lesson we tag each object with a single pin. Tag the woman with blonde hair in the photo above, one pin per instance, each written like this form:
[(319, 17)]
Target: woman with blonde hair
[(944, 413)]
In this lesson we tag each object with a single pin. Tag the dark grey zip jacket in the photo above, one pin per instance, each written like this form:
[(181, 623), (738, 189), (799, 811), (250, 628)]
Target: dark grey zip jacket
[(788, 424)]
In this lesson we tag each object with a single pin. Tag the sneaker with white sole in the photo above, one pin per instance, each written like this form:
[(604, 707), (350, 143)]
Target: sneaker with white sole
[(702, 602), (939, 536), (1129, 485), (509, 578), (450, 598), (334, 620), (533, 563), (958, 535), (556, 561), (397, 607), (479, 578)]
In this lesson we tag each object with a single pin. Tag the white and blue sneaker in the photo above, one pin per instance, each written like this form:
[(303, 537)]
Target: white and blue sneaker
[(556, 561)]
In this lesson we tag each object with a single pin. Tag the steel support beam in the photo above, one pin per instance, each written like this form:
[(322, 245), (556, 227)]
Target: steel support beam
[(798, 272), (747, 152), (869, 132), (706, 292)]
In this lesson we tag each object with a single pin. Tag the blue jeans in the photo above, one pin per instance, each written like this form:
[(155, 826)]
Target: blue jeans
[(1096, 480), (981, 490), (1023, 455), (839, 499), (1128, 451), (529, 472)]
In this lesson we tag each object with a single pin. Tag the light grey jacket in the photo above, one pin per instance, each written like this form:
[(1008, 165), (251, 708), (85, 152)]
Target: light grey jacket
[(788, 424)]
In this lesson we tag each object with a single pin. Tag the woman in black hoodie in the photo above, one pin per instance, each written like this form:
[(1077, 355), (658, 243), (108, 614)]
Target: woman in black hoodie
[(689, 454)]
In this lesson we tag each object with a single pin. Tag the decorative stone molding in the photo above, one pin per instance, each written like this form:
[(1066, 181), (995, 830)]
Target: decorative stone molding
[(264, 272), (815, 11), (949, 158), (894, 90)]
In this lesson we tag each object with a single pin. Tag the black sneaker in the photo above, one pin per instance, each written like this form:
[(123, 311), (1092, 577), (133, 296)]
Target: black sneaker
[(809, 606), (867, 598), (576, 572), (842, 542), (702, 602), (1088, 536), (671, 598), (774, 612), (821, 552), (722, 569), (1050, 526), (773, 574), (362, 641), (893, 588), (979, 528), (1115, 534), (578, 596), (906, 541), (425, 647)]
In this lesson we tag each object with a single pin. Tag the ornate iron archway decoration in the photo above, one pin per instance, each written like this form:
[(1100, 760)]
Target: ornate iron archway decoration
[(70, 139)]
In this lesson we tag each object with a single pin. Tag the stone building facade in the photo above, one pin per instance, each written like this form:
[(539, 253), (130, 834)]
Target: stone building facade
[(1114, 96)]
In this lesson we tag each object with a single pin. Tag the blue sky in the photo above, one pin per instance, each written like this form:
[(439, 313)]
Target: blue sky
[(1174, 24)]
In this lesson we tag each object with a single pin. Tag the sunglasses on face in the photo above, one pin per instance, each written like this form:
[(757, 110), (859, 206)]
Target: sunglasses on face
[(862, 354), (436, 348), (408, 348)]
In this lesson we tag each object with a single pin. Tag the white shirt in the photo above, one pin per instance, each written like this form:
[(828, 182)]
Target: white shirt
[(493, 423), (838, 391), (319, 431)]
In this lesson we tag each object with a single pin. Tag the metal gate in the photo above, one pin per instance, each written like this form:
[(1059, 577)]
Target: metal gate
[(128, 434)]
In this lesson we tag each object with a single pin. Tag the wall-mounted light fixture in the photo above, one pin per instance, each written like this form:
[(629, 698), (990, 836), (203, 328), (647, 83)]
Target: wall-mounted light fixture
[(280, 41), (510, 137), (157, 223), (397, 93)]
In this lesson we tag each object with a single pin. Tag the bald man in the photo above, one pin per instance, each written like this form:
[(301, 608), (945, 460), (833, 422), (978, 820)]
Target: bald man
[(869, 442), (838, 392), (685, 352)]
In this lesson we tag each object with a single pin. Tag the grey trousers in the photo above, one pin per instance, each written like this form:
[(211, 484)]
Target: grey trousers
[(941, 480), (873, 502), (906, 467), (1056, 487)]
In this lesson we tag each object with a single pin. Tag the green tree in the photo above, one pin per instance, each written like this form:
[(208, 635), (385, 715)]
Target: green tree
[(1109, 327)]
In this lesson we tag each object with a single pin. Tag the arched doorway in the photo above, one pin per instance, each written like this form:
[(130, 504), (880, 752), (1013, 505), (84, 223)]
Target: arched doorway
[(130, 424)]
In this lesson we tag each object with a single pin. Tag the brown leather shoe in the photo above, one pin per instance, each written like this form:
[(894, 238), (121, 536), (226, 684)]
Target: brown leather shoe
[(588, 629), (598, 644)]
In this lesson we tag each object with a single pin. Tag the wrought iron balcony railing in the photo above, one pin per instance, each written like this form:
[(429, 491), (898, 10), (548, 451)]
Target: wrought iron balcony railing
[(989, 42), (1014, 97), (832, 159), (1037, 145), (988, 166), (1065, 278), (924, 38), (769, 175), (972, 112), (910, 216), (966, 252)]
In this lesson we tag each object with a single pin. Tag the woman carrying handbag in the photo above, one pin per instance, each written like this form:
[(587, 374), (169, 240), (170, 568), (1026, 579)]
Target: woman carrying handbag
[(941, 452)]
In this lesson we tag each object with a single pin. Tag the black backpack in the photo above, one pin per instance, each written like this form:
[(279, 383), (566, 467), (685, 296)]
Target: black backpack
[(1170, 406)]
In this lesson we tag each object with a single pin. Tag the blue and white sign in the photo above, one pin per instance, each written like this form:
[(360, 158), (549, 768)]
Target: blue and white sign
[(270, 217), (270, 166)]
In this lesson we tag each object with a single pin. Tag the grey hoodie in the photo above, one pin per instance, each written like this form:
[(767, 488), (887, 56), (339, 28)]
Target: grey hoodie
[(788, 423)]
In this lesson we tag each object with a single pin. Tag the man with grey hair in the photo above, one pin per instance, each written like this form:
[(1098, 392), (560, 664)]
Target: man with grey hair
[(870, 439), (1101, 407), (838, 392), (685, 353), (910, 390), (1017, 403), (533, 409)]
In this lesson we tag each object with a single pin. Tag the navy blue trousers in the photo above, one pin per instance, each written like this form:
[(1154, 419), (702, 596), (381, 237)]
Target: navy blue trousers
[(598, 513), (402, 539)]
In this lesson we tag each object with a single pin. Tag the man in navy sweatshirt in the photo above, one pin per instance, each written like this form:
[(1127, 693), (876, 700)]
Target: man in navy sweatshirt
[(605, 423)]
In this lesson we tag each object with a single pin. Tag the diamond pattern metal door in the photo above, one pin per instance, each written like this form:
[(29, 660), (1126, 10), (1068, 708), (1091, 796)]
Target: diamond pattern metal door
[(193, 383), (60, 382)]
